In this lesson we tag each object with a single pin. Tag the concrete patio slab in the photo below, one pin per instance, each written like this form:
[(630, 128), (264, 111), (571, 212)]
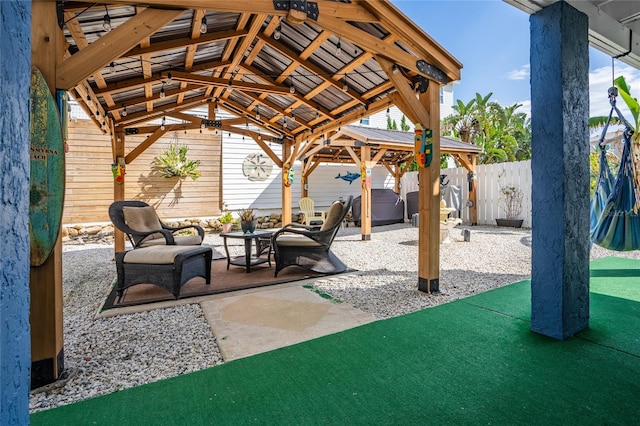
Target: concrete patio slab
[(261, 320)]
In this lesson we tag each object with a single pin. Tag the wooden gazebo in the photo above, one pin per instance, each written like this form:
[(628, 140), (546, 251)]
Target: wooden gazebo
[(299, 71)]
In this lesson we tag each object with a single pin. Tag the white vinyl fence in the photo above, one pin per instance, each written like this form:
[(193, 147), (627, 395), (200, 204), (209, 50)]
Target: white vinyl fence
[(489, 179)]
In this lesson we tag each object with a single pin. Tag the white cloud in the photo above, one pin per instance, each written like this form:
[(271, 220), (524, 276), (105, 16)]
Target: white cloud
[(519, 74), (599, 83), (526, 107)]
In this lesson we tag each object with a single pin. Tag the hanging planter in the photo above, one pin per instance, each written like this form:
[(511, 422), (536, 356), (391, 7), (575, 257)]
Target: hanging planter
[(173, 162)]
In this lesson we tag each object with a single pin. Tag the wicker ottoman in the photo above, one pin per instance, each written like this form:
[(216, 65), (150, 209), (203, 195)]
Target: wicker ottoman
[(169, 267)]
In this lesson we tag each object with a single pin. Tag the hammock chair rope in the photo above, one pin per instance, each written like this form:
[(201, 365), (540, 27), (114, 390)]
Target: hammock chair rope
[(615, 222)]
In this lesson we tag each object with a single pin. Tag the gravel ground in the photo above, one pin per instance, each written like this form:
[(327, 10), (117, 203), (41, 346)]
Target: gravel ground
[(104, 355)]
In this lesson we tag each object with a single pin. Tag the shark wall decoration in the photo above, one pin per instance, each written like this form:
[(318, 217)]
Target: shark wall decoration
[(349, 177)]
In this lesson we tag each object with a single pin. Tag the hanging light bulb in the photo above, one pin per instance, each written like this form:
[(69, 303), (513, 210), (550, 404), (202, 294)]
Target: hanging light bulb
[(203, 25), (339, 48), (202, 126), (394, 69), (258, 112), (169, 77), (112, 67), (162, 93), (106, 21), (345, 86), (162, 124), (124, 111), (215, 108), (89, 101), (388, 112), (292, 88), (277, 33), (284, 125)]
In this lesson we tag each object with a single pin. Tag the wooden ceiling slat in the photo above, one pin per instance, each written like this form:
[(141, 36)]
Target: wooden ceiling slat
[(323, 74), (112, 45)]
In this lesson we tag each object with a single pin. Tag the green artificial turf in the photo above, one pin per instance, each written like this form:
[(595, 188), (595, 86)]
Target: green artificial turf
[(473, 361)]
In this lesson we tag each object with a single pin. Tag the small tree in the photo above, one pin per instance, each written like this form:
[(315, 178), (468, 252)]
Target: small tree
[(404, 125), (511, 201)]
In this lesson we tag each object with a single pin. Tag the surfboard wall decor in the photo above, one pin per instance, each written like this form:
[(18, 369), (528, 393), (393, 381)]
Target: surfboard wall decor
[(46, 194)]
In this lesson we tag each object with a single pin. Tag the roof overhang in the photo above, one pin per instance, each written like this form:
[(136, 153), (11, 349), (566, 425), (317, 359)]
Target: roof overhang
[(614, 25)]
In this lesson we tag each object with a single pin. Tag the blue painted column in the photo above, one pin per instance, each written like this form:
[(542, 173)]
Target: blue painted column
[(560, 171), (15, 73)]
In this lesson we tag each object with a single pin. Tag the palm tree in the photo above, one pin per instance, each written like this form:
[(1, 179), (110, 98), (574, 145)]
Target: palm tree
[(503, 133)]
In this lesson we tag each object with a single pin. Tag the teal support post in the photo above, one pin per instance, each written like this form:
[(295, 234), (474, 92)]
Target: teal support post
[(560, 171)]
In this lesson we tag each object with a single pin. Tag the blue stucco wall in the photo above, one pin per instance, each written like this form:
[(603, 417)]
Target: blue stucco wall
[(560, 171), (15, 356)]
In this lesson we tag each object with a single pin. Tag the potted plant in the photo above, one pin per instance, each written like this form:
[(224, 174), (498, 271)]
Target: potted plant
[(227, 221), (511, 204), (173, 162), (248, 220)]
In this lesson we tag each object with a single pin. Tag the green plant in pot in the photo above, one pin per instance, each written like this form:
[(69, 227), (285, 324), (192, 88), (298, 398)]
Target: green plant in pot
[(511, 204), (248, 220), (227, 221), (173, 162)]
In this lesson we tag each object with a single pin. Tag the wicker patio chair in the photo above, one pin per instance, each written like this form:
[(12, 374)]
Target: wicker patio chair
[(143, 227), (309, 248)]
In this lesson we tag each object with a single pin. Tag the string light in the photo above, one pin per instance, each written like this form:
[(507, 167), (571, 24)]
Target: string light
[(202, 126), (277, 33), (203, 25), (258, 112), (162, 93), (394, 69), (89, 101), (339, 48), (124, 111), (112, 67), (292, 88), (388, 112), (162, 124), (106, 21), (284, 125), (169, 77), (345, 87), (215, 108)]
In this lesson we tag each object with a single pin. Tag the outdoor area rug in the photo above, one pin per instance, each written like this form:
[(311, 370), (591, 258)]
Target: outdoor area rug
[(468, 362), (222, 280)]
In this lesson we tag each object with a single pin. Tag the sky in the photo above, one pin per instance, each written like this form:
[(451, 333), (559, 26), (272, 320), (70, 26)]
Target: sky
[(491, 39)]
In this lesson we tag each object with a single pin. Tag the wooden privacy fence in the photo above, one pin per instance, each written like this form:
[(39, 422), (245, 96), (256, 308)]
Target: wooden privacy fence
[(490, 178)]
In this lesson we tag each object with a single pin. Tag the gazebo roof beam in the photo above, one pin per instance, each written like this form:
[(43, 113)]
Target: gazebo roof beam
[(112, 45), (314, 69)]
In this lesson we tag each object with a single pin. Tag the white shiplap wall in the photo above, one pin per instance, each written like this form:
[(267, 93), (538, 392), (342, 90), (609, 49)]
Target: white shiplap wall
[(239, 192)]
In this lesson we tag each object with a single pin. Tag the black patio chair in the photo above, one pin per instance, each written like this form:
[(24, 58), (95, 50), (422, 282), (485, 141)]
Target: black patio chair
[(308, 247), (142, 226)]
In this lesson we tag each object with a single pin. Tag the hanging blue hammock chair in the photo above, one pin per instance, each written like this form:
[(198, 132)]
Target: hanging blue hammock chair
[(615, 224)]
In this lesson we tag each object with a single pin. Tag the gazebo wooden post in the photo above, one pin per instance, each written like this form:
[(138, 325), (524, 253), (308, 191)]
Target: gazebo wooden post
[(429, 201), (286, 190), (118, 188), (469, 163), (365, 198), (45, 281), (473, 192), (304, 179)]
